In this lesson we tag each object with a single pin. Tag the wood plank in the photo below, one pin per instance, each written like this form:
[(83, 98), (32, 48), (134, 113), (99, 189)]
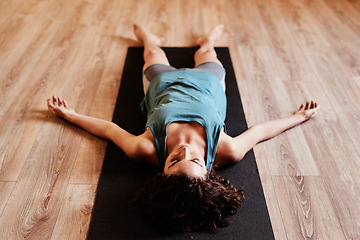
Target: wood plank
[(35, 201), (87, 165), (88, 161), (306, 208), (337, 160), (280, 150), (75, 213), (5, 189), (91, 67)]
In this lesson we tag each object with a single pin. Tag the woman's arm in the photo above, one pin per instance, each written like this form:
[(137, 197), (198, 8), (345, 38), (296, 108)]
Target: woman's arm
[(240, 145), (98, 127), (270, 129), (95, 126)]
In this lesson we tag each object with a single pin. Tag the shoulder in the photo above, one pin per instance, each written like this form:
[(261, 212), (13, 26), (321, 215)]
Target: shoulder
[(232, 150), (145, 150), (226, 149)]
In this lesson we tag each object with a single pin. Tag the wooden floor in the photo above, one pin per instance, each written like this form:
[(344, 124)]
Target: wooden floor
[(284, 52)]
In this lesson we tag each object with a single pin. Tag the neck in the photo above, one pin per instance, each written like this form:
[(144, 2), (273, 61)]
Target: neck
[(186, 133)]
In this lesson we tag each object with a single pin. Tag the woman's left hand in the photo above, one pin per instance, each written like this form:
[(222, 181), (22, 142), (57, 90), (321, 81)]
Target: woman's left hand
[(308, 110)]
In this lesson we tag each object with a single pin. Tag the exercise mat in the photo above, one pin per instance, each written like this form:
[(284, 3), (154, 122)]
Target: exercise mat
[(115, 216)]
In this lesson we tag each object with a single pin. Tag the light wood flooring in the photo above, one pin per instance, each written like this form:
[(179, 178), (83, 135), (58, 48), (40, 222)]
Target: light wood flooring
[(284, 52)]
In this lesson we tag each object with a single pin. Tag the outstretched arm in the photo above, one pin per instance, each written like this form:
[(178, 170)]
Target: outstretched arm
[(95, 126), (267, 130), (241, 144), (98, 127)]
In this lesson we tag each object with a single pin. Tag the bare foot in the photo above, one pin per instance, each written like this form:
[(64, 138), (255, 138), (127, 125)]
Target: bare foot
[(146, 37), (211, 36)]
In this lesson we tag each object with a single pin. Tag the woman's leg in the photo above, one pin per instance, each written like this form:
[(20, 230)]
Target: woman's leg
[(153, 54), (206, 57), (206, 52)]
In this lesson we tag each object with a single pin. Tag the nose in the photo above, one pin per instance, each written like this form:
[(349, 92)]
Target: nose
[(184, 152)]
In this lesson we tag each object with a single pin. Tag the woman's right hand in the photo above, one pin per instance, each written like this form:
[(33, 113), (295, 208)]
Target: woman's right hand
[(59, 107)]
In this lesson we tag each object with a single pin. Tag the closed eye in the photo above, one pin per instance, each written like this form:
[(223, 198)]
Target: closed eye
[(175, 161), (195, 160)]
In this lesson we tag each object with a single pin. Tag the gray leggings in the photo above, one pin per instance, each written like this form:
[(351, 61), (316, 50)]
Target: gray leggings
[(152, 71)]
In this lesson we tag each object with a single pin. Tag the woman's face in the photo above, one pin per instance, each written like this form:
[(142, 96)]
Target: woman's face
[(184, 159)]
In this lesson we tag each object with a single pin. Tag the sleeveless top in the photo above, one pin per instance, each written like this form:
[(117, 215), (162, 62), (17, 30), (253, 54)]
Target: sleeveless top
[(185, 96)]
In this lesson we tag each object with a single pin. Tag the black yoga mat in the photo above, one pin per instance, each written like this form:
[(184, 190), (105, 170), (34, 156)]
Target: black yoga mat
[(116, 217)]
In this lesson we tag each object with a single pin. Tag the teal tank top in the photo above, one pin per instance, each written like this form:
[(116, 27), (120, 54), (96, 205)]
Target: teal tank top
[(185, 96)]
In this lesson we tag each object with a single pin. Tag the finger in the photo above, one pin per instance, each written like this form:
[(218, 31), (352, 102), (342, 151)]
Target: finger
[(59, 101), (301, 106), (316, 110), (49, 103), (65, 103), (54, 100), (311, 104), (51, 106), (52, 110), (306, 106)]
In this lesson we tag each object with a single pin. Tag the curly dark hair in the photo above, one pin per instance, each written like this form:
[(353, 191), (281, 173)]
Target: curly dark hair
[(179, 203)]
